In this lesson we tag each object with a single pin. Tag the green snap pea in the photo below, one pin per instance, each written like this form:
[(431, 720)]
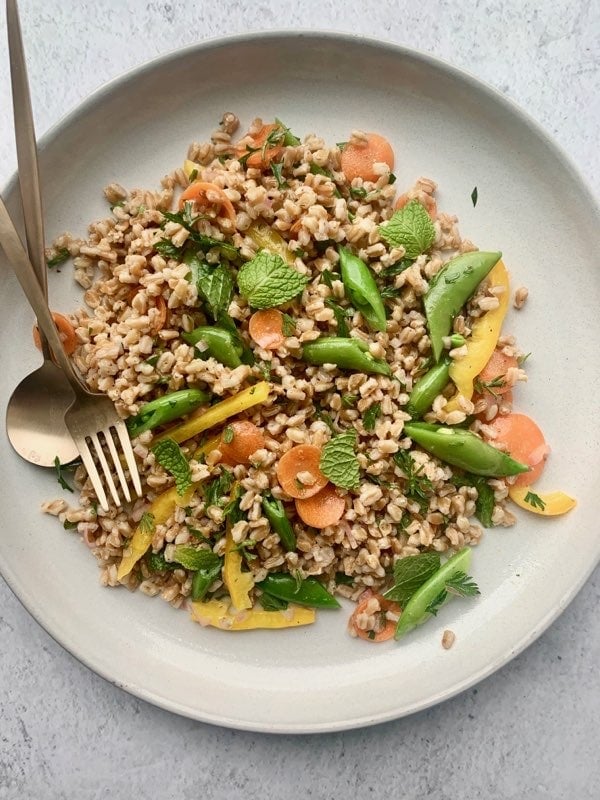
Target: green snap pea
[(415, 612), (308, 592), (362, 290), (350, 354), (220, 344), (427, 388), (275, 513), (463, 449), (203, 579), (450, 290), (165, 409)]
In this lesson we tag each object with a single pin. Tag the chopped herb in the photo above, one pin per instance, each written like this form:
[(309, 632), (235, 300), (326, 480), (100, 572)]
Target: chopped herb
[(535, 500), (147, 523), (371, 634), (193, 175), (61, 256), (522, 359), (217, 489), (462, 585), (288, 139), (317, 170), (390, 293), (325, 417), (339, 462), (351, 216), (489, 386), (397, 268), (349, 400), (158, 563), (298, 577), (371, 416), (69, 526), (276, 170), (418, 486), (265, 369), (474, 194), (270, 603), (343, 579), (392, 179), (340, 315), (341, 145), (228, 435), (289, 325), (167, 249), (118, 204), (153, 360), (214, 284), (327, 278), (171, 458), (437, 602), (198, 535), (231, 510), (358, 192), (59, 475)]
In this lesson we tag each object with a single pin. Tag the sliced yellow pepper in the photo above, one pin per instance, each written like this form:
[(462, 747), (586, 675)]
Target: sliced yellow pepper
[(266, 238), (552, 503), (161, 509), (239, 584), (482, 342), (218, 614), (218, 413), (189, 167)]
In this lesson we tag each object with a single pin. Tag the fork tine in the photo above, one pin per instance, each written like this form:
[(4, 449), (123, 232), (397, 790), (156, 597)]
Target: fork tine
[(105, 468), (93, 475), (123, 435), (117, 463)]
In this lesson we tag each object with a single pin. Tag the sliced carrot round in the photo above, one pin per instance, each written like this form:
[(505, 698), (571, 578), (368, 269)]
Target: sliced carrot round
[(66, 331), (493, 375), (358, 159), (385, 627), (524, 441), (263, 156), (208, 194), (266, 328), (301, 458), (239, 441), (426, 200), (322, 509)]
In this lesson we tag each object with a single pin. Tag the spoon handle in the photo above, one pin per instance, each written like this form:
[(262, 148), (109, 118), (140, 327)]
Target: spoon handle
[(23, 269)]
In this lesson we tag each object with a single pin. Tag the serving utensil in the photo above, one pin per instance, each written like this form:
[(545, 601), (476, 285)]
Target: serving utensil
[(35, 415)]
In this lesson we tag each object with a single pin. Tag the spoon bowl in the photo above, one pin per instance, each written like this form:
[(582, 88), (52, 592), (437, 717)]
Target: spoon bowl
[(35, 417)]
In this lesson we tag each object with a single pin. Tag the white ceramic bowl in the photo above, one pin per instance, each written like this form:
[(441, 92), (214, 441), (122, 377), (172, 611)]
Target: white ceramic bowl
[(532, 205)]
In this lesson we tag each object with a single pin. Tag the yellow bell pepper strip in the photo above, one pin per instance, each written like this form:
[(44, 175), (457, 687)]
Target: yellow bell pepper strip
[(239, 584), (550, 504), (265, 238), (207, 447), (482, 342), (218, 413), (161, 509), (218, 614)]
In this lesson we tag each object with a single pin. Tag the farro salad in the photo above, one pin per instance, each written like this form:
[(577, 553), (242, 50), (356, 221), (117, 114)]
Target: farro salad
[(314, 374)]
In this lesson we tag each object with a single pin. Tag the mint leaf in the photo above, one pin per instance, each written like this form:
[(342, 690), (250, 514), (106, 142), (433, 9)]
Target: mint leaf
[(410, 573), (411, 228), (193, 559), (158, 563), (214, 284), (339, 462), (170, 456), (267, 281)]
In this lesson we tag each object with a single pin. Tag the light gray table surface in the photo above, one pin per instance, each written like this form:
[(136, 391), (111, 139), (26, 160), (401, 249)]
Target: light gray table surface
[(532, 730)]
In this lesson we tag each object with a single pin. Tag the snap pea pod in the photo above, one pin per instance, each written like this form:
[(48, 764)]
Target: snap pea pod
[(350, 354), (463, 449), (362, 290), (203, 579), (275, 513), (308, 592), (165, 409), (415, 611), (450, 290), (220, 344), (427, 388)]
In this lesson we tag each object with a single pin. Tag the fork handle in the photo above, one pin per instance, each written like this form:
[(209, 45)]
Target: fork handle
[(26, 275)]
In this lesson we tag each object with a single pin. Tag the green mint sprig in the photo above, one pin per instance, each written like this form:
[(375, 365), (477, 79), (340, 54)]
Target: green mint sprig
[(410, 228), (267, 281), (339, 462), (170, 456)]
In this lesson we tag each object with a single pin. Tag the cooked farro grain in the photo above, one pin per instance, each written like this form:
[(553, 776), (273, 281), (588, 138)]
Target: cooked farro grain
[(143, 302)]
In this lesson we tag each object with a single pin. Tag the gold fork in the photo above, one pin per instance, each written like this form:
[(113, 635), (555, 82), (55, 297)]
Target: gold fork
[(91, 417)]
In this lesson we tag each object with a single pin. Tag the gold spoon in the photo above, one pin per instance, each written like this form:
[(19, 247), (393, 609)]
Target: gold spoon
[(35, 416)]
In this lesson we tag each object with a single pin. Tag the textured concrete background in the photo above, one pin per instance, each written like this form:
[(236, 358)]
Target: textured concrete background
[(530, 731)]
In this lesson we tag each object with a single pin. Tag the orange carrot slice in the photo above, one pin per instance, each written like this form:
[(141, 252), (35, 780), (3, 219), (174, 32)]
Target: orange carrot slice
[(66, 331), (358, 159), (385, 628), (301, 458), (322, 509), (263, 157), (525, 442), (239, 441), (496, 370), (266, 328), (426, 200), (208, 194)]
